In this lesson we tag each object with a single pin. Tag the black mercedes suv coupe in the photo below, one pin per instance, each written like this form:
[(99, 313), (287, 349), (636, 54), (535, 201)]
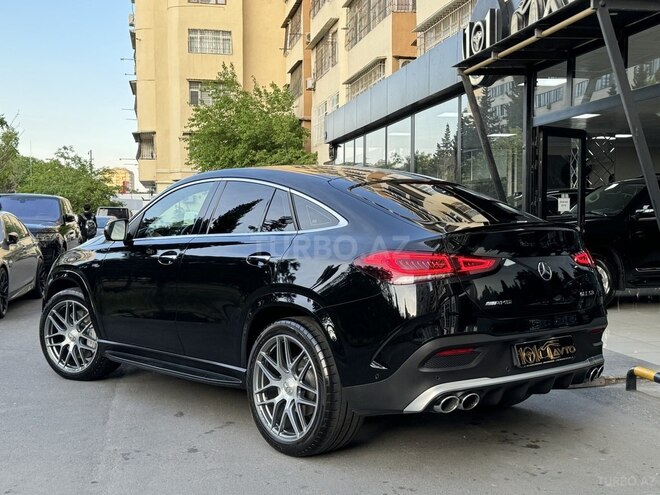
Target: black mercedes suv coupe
[(331, 293)]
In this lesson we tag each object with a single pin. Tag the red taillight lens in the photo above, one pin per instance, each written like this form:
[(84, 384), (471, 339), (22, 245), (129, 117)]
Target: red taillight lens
[(584, 258), (408, 267), (455, 352)]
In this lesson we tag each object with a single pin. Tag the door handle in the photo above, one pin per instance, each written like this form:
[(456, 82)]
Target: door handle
[(258, 259), (168, 257)]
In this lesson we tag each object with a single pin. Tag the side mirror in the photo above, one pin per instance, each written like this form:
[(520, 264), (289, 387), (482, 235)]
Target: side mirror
[(117, 230), (68, 218), (12, 238)]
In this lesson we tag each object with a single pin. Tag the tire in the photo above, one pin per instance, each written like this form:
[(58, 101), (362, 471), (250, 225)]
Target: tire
[(69, 340), (4, 292), (607, 277), (39, 282), (307, 414)]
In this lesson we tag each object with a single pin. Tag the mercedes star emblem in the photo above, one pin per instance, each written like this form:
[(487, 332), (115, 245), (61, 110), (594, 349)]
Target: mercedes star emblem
[(545, 271)]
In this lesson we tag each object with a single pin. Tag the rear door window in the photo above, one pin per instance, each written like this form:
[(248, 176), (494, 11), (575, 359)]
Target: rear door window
[(241, 209), (279, 217)]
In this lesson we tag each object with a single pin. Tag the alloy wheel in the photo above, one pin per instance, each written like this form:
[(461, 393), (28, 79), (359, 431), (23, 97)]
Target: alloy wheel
[(69, 336), (285, 388), (604, 277)]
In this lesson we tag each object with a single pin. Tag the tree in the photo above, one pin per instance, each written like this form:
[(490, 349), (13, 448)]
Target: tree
[(9, 171), (71, 176), (242, 128)]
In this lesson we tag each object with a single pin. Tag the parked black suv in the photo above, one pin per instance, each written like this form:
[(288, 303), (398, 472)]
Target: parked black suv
[(331, 294), (622, 235), (50, 219)]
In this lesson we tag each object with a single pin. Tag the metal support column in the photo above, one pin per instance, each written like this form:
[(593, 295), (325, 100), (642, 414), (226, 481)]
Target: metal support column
[(483, 136), (629, 105), (528, 155)]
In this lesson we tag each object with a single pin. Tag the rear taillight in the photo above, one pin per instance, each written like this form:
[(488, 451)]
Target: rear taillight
[(408, 267), (584, 258)]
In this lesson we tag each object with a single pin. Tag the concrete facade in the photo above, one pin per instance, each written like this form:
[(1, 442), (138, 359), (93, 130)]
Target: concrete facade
[(177, 42)]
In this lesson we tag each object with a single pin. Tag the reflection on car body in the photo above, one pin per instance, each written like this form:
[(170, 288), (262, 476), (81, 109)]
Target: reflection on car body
[(22, 269)]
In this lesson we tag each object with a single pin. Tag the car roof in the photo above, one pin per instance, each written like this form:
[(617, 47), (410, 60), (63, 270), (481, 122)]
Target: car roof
[(290, 175), (32, 195)]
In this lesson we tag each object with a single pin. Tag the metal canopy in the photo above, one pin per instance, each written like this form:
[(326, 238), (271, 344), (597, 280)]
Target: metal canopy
[(571, 29), (559, 34)]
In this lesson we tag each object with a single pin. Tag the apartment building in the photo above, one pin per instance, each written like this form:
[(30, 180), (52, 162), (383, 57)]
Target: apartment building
[(178, 45), (122, 178), (349, 46)]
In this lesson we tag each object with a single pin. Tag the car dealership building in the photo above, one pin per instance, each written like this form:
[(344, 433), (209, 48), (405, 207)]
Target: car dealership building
[(532, 96)]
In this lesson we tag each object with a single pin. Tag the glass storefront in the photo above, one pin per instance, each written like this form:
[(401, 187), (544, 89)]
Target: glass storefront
[(441, 141)]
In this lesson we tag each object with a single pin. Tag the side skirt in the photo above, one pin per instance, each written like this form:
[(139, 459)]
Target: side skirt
[(174, 369)]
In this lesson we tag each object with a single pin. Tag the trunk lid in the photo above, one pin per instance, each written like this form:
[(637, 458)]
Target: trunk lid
[(536, 274)]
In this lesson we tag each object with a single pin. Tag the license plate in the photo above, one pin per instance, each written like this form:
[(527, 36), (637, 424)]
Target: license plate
[(543, 351)]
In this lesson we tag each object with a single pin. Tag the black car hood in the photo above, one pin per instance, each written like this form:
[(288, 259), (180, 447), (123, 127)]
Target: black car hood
[(42, 228)]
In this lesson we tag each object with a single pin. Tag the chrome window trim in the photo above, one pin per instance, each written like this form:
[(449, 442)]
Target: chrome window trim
[(342, 221)]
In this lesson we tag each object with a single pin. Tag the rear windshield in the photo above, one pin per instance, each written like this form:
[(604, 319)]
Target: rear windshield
[(115, 212), (612, 199), (438, 205), (32, 209)]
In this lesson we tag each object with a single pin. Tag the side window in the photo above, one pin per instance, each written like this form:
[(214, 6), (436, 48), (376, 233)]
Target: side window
[(241, 208), (312, 216), (176, 213), (20, 228), (12, 226), (279, 217)]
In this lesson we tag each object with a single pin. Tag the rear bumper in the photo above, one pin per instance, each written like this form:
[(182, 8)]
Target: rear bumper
[(492, 371), (533, 382)]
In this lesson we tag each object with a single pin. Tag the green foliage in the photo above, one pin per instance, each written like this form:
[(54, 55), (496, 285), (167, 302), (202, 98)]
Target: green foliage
[(242, 128), (71, 176), (9, 156)]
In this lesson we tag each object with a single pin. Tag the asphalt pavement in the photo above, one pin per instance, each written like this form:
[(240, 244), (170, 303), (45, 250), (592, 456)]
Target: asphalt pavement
[(140, 432)]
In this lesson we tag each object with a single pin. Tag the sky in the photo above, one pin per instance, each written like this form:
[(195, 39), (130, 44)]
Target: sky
[(62, 80)]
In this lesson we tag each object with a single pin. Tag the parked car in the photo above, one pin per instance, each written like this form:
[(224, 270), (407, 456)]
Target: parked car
[(115, 211), (553, 198), (331, 294), (622, 234), (49, 218), (21, 263), (102, 221)]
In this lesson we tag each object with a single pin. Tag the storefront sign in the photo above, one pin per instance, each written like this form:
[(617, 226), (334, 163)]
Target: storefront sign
[(531, 11), (503, 17)]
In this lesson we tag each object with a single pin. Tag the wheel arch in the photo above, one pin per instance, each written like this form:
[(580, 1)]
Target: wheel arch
[(278, 306)]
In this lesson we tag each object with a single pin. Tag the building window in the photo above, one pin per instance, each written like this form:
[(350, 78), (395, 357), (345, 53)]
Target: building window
[(209, 41), (365, 15), (146, 146), (199, 93), (319, 122), (294, 29), (448, 22), (296, 82), (325, 54), (209, 2), (316, 6), (365, 81)]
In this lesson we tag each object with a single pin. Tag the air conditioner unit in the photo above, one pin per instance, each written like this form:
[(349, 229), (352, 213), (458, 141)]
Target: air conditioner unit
[(308, 38), (310, 83)]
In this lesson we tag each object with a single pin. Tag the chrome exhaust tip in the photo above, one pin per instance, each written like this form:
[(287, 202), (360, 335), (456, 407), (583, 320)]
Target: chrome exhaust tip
[(592, 374), (469, 401), (447, 405), (600, 371)]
